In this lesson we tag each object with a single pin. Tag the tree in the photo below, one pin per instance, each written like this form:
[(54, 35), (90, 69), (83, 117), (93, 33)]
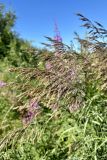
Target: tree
[(7, 20)]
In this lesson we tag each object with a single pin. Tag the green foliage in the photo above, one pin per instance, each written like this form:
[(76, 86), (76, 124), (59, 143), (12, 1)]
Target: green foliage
[(7, 20), (13, 49), (61, 132), (64, 135)]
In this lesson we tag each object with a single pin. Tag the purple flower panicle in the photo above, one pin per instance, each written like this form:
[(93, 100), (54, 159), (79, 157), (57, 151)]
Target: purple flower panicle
[(48, 65), (34, 104), (32, 110), (2, 84)]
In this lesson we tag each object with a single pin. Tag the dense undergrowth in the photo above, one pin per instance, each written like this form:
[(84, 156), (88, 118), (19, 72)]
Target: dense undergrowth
[(54, 106), (59, 127)]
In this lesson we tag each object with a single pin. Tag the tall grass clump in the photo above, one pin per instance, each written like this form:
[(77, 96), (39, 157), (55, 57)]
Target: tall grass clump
[(61, 104)]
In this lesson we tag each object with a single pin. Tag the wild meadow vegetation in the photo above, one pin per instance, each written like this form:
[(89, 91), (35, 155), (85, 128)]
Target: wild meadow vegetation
[(53, 103)]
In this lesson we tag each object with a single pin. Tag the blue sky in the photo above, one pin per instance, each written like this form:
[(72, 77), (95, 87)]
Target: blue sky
[(35, 18)]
